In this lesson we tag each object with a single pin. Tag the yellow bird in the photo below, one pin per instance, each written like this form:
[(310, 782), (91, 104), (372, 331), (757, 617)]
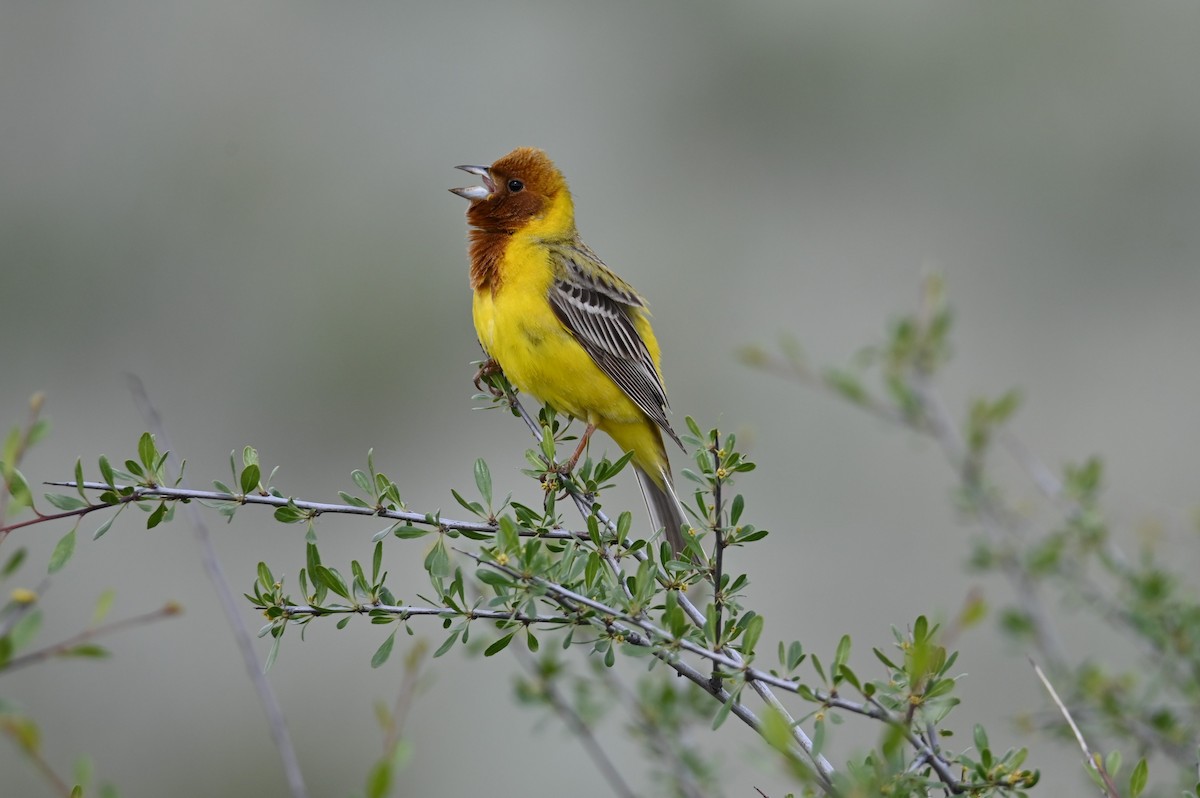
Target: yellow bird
[(561, 325)]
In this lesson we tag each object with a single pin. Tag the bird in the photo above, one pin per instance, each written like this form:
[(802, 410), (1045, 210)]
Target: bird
[(562, 326)]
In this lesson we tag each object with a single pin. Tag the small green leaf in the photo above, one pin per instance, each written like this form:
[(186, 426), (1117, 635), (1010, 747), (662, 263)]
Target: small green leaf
[(88, 650), (146, 451), (18, 489), (448, 644), (1137, 780), (981, 739), (64, 502), (273, 653), (249, 478), (384, 651), (103, 605), (157, 516), (62, 552), (332, 580), (1112, 763), (379, 782), (483, 481), (499, 645), (493, 578), (843, 653), (106, 472), (437, 562), (79, 479), (754, 628), (377, 562), (99, 533), (14, 562)]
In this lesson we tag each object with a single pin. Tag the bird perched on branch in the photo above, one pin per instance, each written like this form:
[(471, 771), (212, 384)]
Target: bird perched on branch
[(561, 325)]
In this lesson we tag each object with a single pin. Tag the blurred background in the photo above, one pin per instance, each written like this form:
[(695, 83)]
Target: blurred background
[(245, 204)]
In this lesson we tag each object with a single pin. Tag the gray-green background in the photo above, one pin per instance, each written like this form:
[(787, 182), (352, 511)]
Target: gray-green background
[(245, 204)]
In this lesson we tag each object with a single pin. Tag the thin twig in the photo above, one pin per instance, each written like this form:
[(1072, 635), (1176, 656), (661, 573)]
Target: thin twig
[(64, 647), (144, 492), (35, 755), (1093, 762), (578, 727), (233, 615)]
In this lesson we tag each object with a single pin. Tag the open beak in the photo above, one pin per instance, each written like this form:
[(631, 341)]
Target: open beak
[(476, 193)]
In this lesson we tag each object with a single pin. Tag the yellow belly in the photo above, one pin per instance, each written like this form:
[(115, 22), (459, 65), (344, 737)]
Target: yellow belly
[(539, 356), (518, 328)]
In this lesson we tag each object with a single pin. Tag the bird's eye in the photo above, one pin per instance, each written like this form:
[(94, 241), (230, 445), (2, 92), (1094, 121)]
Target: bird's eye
[(515, 185)]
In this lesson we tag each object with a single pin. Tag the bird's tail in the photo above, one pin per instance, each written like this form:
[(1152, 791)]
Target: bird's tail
[(665, 510)]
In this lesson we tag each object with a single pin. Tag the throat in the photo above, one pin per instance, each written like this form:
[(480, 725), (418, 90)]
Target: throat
[(487, 251)]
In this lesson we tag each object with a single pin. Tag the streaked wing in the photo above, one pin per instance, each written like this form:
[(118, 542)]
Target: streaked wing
[(597, 307)]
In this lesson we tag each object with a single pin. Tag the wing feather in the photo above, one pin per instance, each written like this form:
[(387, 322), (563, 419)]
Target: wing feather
[(598, 309)]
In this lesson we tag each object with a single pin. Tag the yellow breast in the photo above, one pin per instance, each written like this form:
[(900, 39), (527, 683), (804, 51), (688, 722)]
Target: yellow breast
[(518, 328)]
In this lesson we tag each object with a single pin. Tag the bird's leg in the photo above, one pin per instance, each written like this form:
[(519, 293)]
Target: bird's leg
[(569, 466), (489, 368)]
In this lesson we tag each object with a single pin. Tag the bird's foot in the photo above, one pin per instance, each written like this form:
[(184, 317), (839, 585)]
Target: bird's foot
[(489, 368)]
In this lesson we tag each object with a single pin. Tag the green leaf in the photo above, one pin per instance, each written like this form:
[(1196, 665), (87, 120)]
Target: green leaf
[(18, 489), (1112, 763), (250, 456), (499, 645), (106, 472), (89, 650), (493, 578), (332, 580), (981, 739), (249, 478), (723, 711), (754, 628), (363, 482), (146, 451), (99, 533), (14, 562), (384, 651), (437, 562), (1137, 780), (483, 481), (448, 644), (64, 502), (273, 653), (103, 605), (377, 562), (843, 653), (379, 782), (79, 479), (62, 552), (735, 510), (157, 516)]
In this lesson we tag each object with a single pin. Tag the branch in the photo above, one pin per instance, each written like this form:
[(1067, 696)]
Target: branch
[(64, 647), (1093, 761), (406, 612), (145, 492), (824, 768)]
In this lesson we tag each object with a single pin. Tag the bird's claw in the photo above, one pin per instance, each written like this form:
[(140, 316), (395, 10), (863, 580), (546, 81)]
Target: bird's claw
[(490, 368)]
